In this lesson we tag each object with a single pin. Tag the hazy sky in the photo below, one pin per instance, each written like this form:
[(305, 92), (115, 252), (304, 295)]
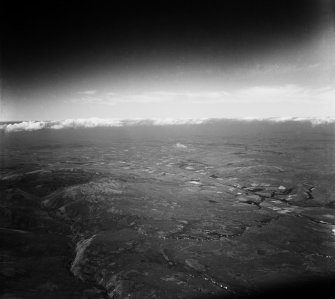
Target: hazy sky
[(176, 59)]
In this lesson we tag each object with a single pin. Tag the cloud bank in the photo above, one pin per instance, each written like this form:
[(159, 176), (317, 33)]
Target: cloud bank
[(87, 92), (98, 122), (256, 94)]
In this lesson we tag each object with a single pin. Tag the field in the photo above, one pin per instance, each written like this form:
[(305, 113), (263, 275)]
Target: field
[(223, 209)]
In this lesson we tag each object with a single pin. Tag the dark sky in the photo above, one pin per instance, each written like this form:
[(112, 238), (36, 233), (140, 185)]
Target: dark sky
[(49, 47)]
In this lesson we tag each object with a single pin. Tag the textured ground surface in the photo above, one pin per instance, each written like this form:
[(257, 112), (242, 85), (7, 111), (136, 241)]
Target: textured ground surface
[(173, 215)]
